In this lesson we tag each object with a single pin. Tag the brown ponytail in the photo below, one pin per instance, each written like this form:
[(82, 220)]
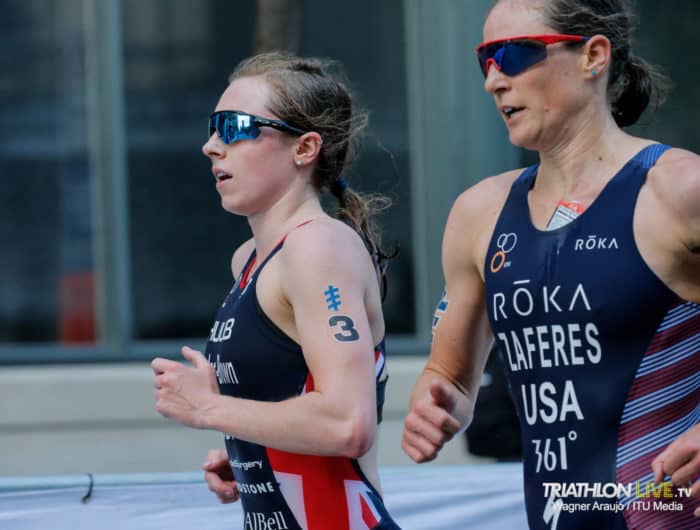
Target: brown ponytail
[(632, 83)]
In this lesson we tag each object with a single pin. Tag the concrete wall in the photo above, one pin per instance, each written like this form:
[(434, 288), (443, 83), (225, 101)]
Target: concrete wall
[(100, 418)]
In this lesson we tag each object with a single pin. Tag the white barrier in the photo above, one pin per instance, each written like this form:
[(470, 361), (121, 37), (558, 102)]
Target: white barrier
[(419, 498)]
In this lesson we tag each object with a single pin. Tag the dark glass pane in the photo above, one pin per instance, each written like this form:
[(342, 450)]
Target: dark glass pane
[(177, 58), (46, 276), (666, 37)]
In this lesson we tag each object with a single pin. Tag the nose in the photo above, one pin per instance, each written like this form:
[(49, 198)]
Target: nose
[(213, 147), (489, 63), (495, 79)]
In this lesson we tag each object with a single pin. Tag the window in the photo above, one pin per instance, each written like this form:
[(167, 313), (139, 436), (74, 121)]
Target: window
[(46, 229), (113, 233)]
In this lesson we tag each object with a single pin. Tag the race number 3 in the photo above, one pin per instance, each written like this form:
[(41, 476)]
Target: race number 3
[(346, 326)]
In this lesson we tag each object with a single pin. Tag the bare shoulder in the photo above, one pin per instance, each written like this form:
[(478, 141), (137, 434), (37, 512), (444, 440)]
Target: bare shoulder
[(240, 256), (480, 204), (669, 236), (325, 244), (473, 217), (488, 192), (675, 179)]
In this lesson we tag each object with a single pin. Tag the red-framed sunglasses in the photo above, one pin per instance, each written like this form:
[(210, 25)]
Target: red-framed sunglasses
[(516, 54)]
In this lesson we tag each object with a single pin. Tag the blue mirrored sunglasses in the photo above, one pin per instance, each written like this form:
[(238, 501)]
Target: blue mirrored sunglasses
[(234, 125)]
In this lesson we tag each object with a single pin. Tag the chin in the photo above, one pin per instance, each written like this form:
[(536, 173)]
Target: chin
[(522, 140), (517, 140), (233, 207)]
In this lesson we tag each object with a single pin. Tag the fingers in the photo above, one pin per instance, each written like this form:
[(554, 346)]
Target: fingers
[(686, 473), (216, 456), (674, 457), (657, 466), (162, 406), (416, 453), (680, 460), (160, 365), (438, 411), (433, 423), (225, 490), (429, 426), (219, 477), (159, 381), (418, 448), (194, 356), (217, 462)]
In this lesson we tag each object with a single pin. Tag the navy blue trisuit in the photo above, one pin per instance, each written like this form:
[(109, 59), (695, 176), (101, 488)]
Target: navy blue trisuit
[(254, 359), (603, 360)]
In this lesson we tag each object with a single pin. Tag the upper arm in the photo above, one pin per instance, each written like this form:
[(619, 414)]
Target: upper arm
[(325, 279), (672, 224), (684, 187), (462, 339)]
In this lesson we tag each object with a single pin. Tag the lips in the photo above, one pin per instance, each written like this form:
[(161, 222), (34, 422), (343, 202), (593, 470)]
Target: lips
[(220, 176), (509, 111)]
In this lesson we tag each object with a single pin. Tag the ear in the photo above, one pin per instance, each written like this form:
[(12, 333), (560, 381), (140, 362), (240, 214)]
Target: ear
[(307, 148), (596, 58)]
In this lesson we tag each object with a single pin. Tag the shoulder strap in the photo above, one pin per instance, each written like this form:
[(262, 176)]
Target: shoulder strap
[(247, 268), (274, 251), (648, 156)]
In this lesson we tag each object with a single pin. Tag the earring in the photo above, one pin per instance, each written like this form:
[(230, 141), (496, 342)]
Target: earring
[(297, 161), (593, 73)]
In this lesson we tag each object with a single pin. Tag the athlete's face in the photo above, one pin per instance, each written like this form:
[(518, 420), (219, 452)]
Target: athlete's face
[(537, 105), (251, 175)]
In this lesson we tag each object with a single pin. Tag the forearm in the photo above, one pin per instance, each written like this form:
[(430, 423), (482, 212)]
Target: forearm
[(457, 366), (307, 424), (460, 349)]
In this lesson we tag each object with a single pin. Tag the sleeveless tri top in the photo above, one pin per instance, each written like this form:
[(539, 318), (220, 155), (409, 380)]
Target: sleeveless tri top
[(603, 360), (254, 359)]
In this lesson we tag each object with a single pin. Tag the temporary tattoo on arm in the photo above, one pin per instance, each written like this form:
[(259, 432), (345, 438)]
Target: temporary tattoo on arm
[(346, 326), (440, 310), (332, 295)]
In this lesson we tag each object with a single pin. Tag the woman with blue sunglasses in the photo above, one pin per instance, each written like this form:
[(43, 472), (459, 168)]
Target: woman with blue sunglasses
[(294, 370), (585, 270)]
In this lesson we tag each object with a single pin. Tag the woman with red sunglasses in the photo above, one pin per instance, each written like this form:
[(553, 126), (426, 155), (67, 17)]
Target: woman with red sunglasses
[(294, 370), (585, 270)]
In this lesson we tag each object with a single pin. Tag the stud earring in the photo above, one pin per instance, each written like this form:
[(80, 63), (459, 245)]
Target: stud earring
[(297, 161), (593, 73)]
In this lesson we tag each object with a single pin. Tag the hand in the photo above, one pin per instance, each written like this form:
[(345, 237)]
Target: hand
[(186, 395), (219, 476), (681, 460), (431, 422)]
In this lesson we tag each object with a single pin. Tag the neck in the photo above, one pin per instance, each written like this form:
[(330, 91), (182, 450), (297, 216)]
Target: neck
[(587, 153), (270, 225)]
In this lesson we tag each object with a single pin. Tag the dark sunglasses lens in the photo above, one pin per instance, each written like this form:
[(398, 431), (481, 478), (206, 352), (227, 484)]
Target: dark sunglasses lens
[(233, 126), (213, 124), (486, 53), (520, 55)]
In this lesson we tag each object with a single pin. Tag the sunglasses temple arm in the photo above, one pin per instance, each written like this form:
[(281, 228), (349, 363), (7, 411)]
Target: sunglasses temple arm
[(279, 125)]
